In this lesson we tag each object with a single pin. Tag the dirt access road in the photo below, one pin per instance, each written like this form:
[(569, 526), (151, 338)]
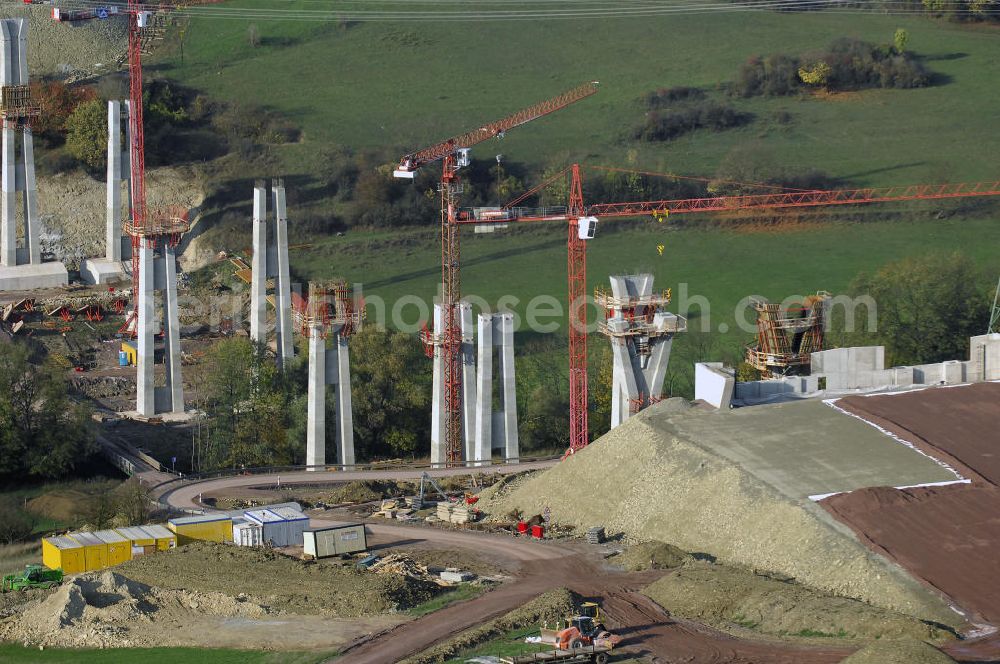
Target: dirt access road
[(647, 628), (185, 495)]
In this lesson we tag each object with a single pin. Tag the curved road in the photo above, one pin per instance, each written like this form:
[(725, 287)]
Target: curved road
[(184, 494)]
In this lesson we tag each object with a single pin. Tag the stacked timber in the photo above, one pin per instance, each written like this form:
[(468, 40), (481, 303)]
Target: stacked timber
[(595, 535), (456, 512)]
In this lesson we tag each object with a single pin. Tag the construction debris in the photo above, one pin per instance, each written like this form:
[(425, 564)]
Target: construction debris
[(405, 566), (456, 513), (595, 535)]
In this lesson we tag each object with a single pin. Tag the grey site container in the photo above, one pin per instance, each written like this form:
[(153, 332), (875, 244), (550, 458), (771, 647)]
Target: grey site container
[(280, 526), (334, 541)]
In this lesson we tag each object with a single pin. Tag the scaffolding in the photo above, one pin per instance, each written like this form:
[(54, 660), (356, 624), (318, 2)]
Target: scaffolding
[(16, 105), (786, 339), (638, 318), (330, 307)]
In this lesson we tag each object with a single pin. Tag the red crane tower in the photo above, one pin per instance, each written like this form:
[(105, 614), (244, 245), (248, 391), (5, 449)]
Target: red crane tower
[(141, 226), (454, 154), (583, 224)]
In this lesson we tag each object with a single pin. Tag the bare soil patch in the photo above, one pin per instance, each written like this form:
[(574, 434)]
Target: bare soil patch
[(277, 581), (947, 536)]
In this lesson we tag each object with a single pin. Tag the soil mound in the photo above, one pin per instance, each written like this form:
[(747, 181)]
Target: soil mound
[(903, 651), (648, 481), (651, 555), (296, 586), (727, 597), (110, 610)]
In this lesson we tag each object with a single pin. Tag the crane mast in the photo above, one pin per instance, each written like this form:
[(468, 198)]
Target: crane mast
[(454, 154), (137, 152)]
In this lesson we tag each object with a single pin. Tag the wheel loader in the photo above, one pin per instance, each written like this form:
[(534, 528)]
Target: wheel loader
[(33, 576), (583, 629)]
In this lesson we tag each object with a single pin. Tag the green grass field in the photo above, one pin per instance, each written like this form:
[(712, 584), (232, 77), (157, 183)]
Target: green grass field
[(720, 265), (394, 87), (15, 654)]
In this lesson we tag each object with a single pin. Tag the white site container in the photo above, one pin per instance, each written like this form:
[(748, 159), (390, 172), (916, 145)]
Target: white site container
[(281, 526), (247, 533)]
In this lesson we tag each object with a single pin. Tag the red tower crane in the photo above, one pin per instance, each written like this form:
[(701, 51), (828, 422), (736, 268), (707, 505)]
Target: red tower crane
[(454, 154), (141, 226), (582, 223)]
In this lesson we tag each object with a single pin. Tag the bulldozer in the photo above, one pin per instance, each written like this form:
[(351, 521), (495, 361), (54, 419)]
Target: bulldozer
[(33, 576), (586, 628)]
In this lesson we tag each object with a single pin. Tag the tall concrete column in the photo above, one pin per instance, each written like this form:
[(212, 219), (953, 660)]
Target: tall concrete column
[(9, 71), (439, 452), (345, 412), (316, 415), (18, 175), (468, 359), (258, 278), (484, 393), (113, 227), (495, 429), (282, 290), (32, 230), (508, 392), (145, 350), (174, 387), (8, 214)]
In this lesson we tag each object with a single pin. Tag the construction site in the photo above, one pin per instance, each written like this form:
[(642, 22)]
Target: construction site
[(261, 457)]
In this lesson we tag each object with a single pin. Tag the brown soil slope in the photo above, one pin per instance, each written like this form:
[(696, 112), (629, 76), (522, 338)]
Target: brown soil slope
[(947, 536), (956, 424)]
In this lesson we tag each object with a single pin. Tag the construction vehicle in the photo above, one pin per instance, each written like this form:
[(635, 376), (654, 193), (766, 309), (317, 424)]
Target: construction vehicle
[(586, 628), (33, 576), (595, 654)]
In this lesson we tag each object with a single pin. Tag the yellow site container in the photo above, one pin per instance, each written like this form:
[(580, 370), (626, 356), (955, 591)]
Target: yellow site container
[(140, 541), (63, 553), (164, 538), (119, 548), (95, 550), (206, 528)]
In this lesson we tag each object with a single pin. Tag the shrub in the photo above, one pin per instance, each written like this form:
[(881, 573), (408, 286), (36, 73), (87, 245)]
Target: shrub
[(666, 96), (87, 133), (708, 115), (848, 64)]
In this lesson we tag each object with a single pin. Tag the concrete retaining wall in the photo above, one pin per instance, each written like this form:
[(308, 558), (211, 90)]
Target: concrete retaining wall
[(857, 369)]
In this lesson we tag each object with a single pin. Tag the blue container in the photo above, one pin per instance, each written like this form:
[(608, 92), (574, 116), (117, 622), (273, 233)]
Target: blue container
[(122, 358)]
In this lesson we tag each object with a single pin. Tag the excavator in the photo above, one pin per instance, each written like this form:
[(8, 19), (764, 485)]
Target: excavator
[(584, 629)]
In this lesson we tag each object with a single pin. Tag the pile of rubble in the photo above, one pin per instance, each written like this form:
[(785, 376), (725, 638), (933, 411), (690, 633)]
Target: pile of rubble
[(405, 566), (105, 610)]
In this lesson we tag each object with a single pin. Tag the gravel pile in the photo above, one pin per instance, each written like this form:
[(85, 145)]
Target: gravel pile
[(903, 651), (651, 483), (69, 51), (723, 596), (651, 555), (108, 610)]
